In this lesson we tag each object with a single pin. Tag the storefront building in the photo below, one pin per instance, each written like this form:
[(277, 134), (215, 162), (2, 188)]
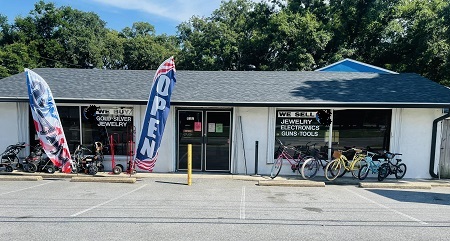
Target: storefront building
[(233, 118)]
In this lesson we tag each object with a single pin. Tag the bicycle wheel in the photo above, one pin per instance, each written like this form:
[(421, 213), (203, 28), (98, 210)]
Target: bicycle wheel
[(356, 166), (327, 172), (363, 172), (333, 169), (309, 168), (383, 172), (276, 168), (400, 171), (344, 163)]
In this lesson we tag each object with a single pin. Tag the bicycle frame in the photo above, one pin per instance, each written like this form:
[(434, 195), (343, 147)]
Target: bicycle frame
[(388, 168), (294, 161), (350, 165), (341, 163), (373, 165)]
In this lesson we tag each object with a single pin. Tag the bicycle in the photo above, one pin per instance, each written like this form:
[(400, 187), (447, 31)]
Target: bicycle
[(372, 165), (294, 160), (340, 165), (388, 168), (311, 166)]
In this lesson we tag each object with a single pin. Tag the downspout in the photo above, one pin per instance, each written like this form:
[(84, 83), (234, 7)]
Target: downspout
[(433, 144)]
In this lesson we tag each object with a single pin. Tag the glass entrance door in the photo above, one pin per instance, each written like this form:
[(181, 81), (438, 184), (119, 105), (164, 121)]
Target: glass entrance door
[(217, 141), (209, 133), (190, 131)]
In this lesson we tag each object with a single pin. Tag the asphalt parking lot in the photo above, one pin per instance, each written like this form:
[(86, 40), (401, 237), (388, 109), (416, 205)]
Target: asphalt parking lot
[(165, 208)]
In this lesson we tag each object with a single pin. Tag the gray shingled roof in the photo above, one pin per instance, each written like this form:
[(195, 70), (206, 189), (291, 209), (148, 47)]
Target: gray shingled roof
[(237, 88)]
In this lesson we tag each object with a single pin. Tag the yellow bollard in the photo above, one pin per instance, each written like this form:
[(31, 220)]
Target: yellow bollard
[(189, 164)]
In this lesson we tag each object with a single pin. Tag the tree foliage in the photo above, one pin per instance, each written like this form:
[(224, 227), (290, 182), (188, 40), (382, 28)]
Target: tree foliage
[(400, 35)]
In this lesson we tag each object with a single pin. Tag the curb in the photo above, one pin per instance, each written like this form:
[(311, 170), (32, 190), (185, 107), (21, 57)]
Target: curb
[(397, 185), (440, 184), (299, 183), (103, 179), (248, 178), (21, 178)]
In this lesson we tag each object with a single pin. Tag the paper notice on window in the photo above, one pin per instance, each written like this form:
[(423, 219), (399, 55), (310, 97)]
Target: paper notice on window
[(219, 127), (211, 127)]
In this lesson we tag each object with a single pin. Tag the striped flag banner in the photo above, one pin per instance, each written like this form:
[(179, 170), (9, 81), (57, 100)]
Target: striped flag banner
[(47, 122), (158, 107)]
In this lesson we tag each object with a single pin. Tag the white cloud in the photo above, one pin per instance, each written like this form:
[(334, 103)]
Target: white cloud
[(177, 10)]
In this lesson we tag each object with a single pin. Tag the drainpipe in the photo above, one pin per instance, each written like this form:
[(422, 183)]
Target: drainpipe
[(433, 144)]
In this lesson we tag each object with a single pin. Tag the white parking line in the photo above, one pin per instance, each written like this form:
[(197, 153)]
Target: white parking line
[(103, 203), (25, 188), (242, 208), (388, 208)]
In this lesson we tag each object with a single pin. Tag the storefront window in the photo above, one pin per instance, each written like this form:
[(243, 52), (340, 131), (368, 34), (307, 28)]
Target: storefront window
[(110, 123), (300, 128), (70, 121), (362, 129), (351, 128)]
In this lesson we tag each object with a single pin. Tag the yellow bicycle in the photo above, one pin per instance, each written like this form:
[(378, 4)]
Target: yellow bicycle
[(341, 165)]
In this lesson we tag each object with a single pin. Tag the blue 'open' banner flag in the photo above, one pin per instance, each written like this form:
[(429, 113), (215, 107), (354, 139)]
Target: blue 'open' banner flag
[(158, 107), (46, 121)]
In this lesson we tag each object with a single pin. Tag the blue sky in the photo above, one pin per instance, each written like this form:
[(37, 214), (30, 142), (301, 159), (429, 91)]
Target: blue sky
[(118, 14)]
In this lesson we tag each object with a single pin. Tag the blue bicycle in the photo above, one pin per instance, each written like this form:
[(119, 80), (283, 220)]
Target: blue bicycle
[(373, 164)]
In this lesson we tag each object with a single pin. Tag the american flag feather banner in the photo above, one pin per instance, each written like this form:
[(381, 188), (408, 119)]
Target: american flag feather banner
[(47, 122), (158, 107)]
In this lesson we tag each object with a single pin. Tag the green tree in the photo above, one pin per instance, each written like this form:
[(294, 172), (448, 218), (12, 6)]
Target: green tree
[(113, 53), (234, 37), (139, 29), (143, 49), (298, 40), (417, 39), (15, 57), (82, 36)]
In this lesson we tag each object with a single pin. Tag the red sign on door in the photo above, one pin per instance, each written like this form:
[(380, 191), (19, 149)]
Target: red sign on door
[(197, 126)]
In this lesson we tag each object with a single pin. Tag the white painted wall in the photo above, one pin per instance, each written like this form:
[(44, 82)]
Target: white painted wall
[(254, 128), (9, 125), (414, 140)]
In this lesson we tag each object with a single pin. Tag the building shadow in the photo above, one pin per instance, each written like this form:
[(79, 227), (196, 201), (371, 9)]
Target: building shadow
[(373, 88), (414, 196), (177, 183)]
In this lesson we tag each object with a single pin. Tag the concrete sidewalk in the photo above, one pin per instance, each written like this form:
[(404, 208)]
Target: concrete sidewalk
[(291, 181)]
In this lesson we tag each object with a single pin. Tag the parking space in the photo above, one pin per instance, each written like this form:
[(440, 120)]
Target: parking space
[(165, 208)]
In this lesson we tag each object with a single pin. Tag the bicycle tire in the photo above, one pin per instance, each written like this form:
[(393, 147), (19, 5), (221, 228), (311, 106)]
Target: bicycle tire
[(400, 171), (343, 170), (333, 169), (310, 168), (276, 167), (383, 172), (355, 167), (363, 172), (327, 172)]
